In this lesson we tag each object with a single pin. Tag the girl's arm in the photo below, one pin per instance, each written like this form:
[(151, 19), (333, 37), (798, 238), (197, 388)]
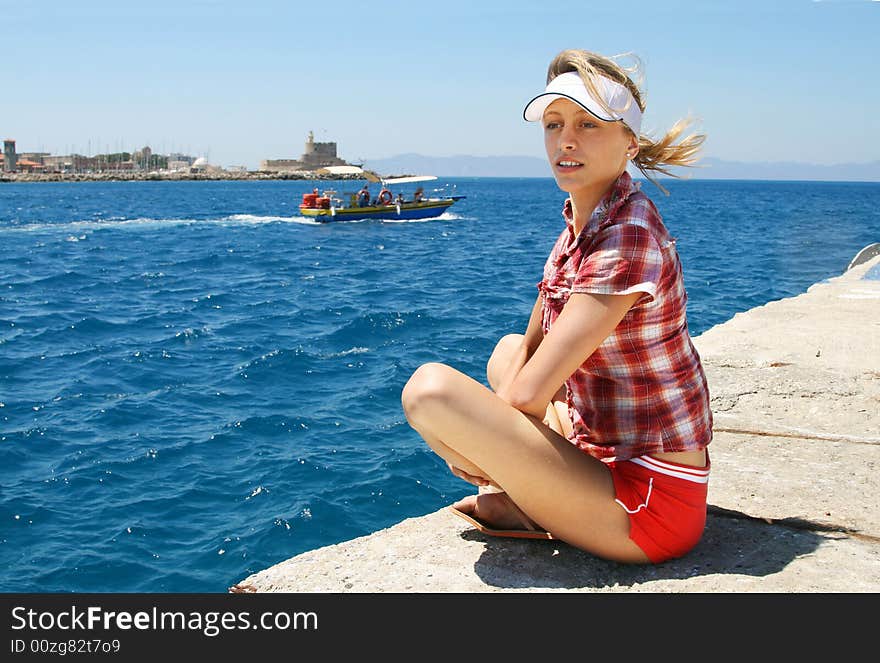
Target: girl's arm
[(531, 340), (585, 321)]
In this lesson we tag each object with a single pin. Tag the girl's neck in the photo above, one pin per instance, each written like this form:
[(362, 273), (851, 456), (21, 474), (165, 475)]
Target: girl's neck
[(584, 202)]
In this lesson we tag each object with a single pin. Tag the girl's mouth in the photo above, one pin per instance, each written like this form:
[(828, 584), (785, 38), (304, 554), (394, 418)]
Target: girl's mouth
[(568, 165)]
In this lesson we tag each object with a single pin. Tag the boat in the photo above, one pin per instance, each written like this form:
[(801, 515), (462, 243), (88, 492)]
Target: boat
[(330, 206), (868, 252)]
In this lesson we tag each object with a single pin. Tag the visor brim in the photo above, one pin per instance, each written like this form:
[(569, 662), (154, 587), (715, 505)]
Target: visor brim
[(534, 110)]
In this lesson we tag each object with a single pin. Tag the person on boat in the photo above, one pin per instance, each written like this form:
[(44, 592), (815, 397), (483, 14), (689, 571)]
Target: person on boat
[(363, 199), (399, 200), (596, 424), (419, 195)]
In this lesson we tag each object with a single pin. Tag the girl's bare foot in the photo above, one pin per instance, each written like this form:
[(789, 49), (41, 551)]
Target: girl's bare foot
[(495, 510)]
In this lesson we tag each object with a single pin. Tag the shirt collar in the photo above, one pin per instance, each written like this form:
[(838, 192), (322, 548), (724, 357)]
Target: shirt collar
[(622, 188)]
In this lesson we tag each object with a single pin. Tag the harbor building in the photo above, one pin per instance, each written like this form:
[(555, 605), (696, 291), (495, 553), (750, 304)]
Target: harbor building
[(178, 162), (12, 161), (315, 156)]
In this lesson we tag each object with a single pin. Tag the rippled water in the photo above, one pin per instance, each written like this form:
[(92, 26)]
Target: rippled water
[(197, 383)]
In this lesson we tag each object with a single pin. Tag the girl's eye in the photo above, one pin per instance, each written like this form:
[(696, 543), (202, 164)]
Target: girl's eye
[(551, 125), (587, 124)]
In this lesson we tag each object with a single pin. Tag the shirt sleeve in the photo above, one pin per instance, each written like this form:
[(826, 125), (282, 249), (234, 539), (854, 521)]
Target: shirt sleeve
[(625, 259)]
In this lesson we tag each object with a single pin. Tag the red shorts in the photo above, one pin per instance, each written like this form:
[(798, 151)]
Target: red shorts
[(666, 503)]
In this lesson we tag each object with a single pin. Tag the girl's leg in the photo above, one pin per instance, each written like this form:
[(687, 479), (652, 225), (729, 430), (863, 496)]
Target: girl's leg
[(496, 366), (502, 355), (555, 484)]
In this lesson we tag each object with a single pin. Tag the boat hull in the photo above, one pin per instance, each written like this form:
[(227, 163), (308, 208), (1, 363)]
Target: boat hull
[(406, 211)]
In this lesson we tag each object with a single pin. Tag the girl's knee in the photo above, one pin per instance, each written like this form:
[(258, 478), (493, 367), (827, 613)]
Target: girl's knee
[(501, 357), (508, 344), (429, 383)]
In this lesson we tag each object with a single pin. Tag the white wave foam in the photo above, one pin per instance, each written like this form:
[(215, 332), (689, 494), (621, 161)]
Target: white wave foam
[(350, 351)]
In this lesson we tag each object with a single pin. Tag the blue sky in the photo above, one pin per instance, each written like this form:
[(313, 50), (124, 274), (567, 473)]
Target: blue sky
[(789, 80)]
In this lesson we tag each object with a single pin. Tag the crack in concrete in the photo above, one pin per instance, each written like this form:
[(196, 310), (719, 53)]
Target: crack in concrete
[(830, 437), (793, 522)]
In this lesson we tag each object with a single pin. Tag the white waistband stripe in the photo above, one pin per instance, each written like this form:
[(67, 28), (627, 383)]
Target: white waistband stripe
[(695, 474), (675, 467)]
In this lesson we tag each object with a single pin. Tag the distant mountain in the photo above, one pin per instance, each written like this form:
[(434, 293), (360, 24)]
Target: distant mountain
[(786, 170), (711, 168)]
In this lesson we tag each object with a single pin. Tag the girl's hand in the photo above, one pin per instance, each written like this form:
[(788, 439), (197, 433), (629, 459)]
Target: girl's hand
[(470, 478)]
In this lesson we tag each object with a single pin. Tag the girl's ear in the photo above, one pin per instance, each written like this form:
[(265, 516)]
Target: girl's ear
[(632, 147)]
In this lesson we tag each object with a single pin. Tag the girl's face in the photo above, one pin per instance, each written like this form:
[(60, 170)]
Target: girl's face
[(585, 153)]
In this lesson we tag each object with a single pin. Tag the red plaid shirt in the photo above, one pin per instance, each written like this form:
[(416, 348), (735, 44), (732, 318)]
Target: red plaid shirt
[(643, 390)]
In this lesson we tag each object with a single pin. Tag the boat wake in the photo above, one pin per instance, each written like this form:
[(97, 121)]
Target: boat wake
[(144, 223), (446, 216), (254, 219), (76, 228), (96, 224)]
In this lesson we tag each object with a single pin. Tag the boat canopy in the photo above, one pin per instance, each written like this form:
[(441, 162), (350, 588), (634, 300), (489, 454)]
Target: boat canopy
[(368, 175), (414, 178), (357, 170)]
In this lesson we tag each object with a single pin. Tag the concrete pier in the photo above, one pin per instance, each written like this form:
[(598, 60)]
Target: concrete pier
[(794, 497)]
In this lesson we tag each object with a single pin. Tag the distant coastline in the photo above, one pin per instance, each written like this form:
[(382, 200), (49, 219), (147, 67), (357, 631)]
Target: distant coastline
[(170, 176), (472, 166)]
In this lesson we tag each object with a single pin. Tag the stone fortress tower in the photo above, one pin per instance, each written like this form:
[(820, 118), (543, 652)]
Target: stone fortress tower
[(9, 156), (316, 155)]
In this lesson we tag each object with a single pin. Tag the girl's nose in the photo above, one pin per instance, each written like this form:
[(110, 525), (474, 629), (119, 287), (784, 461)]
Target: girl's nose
[(566, 139)]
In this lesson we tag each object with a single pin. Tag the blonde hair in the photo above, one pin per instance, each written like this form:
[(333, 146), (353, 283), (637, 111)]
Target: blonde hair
[(653, 155)]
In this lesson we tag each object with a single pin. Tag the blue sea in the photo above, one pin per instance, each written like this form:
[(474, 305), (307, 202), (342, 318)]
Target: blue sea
[(197, 383)]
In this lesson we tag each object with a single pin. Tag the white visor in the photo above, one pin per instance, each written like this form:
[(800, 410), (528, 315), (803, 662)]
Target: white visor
[(570, 86)]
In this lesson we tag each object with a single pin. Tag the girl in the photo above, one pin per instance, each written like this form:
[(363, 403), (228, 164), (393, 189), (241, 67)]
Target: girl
[(596, 425)]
